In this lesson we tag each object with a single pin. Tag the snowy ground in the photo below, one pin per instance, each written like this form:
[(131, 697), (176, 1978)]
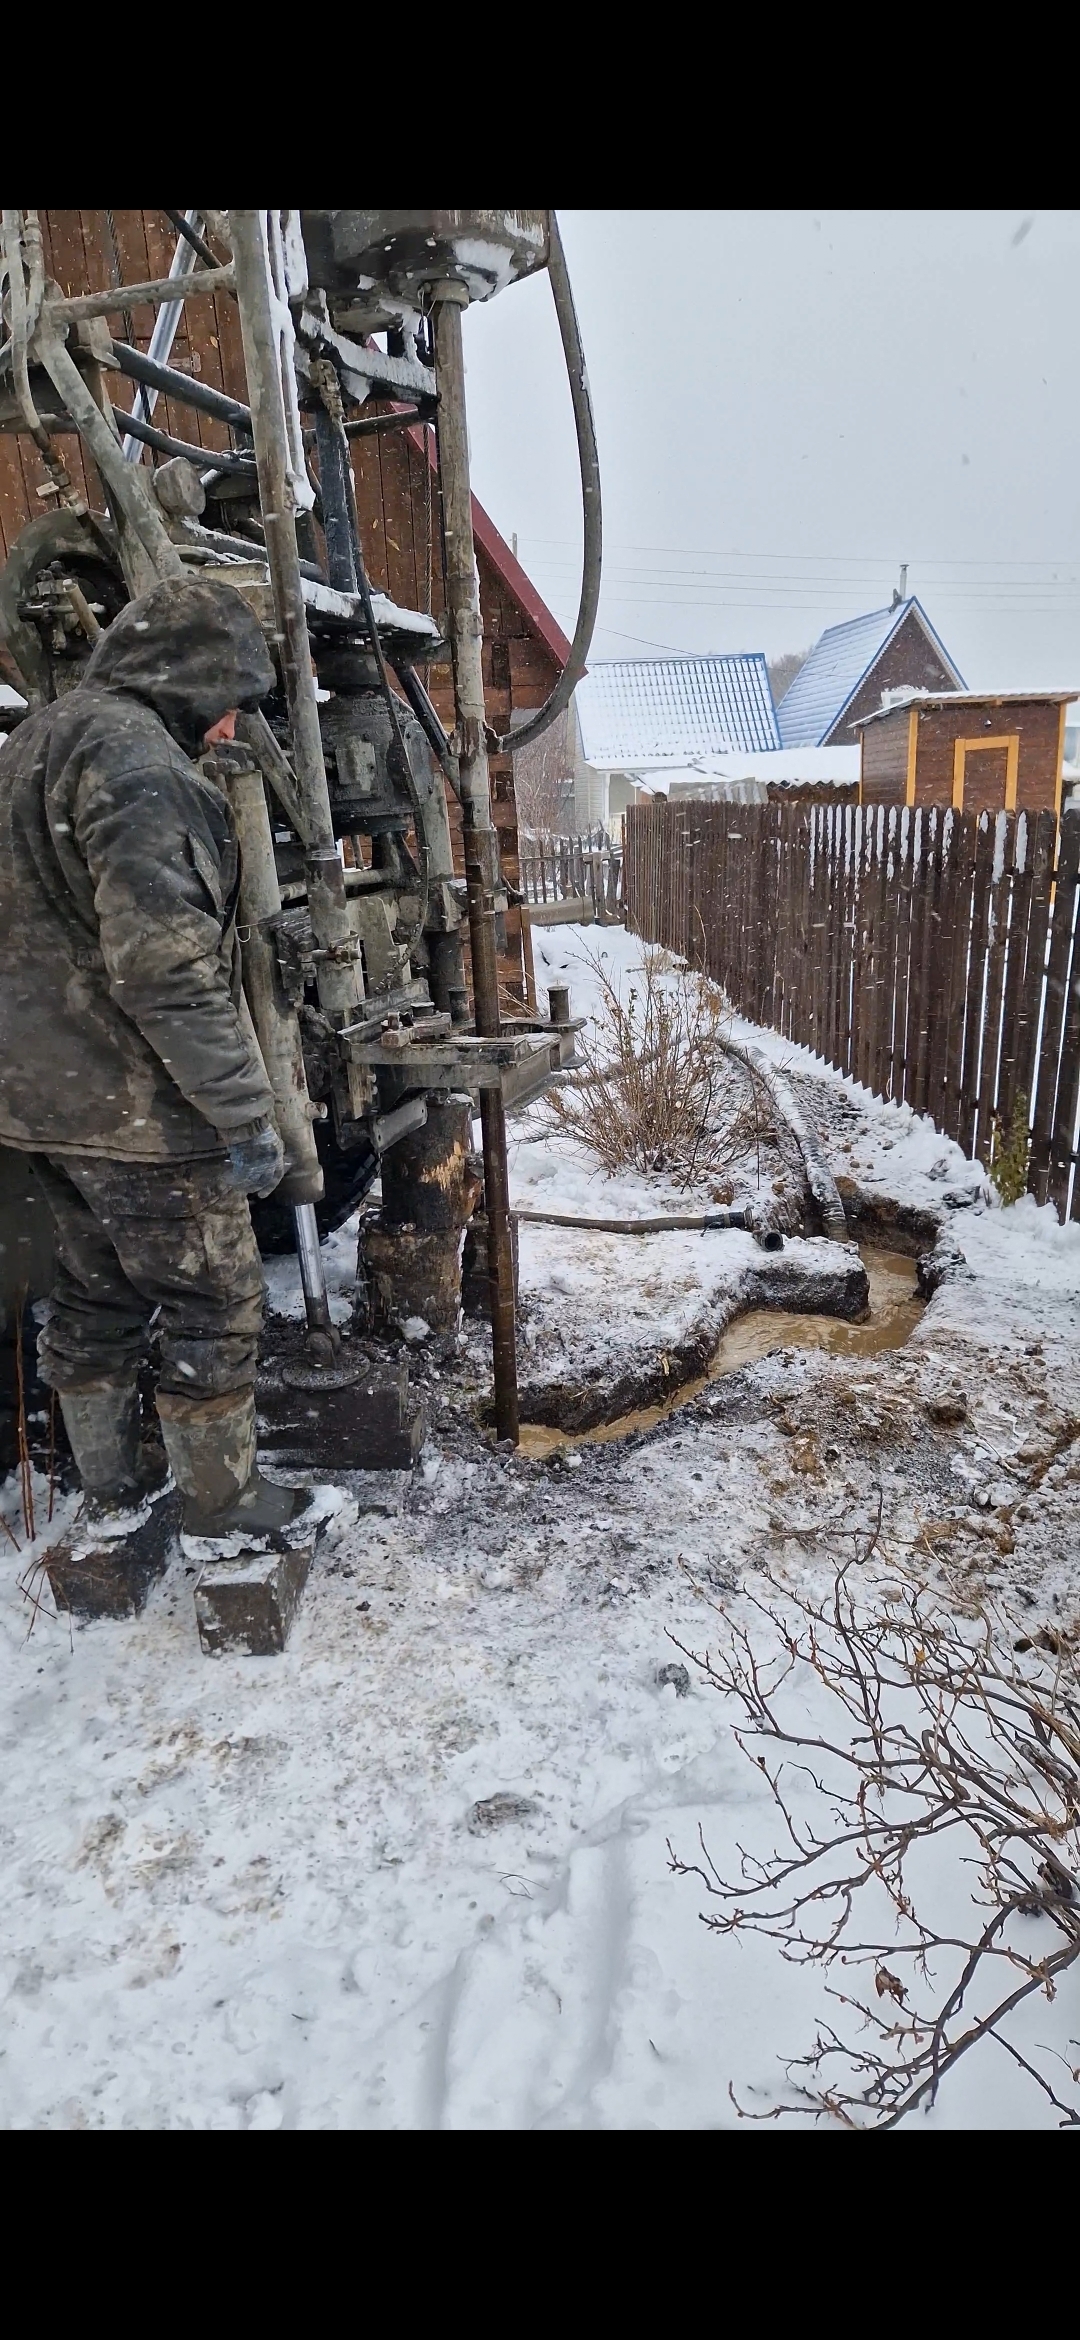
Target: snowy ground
[(256, 1894)]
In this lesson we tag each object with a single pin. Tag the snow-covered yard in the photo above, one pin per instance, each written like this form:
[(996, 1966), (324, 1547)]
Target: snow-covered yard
[(261, 1893)]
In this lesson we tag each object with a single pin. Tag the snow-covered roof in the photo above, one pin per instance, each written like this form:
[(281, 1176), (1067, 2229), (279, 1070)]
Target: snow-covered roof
[(969, 699), (641, 712), (814, 767), (838, 663), (787, 765)]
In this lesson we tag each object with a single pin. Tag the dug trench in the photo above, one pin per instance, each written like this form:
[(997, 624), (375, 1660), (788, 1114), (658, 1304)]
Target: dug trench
[(815, 1295), (931, 1435), (766, 1326)]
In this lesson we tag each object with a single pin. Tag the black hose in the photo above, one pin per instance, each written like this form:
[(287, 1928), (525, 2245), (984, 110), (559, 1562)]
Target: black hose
[(204, 458), (184, 228), (181, 387), (428, 719), (590, 501)]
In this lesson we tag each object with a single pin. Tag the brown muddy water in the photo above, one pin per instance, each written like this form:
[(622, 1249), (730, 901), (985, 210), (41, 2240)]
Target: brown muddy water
[(895, 1310)]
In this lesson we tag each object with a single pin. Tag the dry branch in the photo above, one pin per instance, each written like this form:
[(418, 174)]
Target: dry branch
[(935, 1735)]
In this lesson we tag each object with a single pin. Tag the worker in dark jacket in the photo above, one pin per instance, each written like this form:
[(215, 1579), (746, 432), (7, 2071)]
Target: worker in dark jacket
[(129, 1068)]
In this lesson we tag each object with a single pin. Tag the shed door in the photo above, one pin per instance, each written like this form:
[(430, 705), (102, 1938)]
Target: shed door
[(985, 774)]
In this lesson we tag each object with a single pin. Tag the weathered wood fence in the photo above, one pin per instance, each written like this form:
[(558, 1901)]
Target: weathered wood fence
[(931, 955), (567, 869)]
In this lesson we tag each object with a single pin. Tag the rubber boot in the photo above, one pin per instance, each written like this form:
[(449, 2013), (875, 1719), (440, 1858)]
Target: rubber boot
[(210, 1443), (102, 1421), (120, 1542)]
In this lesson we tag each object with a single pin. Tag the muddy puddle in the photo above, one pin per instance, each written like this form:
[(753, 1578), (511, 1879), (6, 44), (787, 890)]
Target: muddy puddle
[(894, 1313)]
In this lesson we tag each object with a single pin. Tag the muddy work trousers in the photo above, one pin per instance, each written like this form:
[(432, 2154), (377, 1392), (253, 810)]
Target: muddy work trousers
[(141, 1242)]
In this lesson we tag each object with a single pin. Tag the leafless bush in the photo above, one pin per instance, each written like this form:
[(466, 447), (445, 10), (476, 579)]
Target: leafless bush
[(543, 780), (657, 1090), (945, 1741)]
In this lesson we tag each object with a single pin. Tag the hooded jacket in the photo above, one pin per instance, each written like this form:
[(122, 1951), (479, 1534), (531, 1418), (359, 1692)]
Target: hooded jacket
[(121, 1030)]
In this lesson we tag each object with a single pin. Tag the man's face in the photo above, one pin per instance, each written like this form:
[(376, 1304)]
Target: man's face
[(224, 728)]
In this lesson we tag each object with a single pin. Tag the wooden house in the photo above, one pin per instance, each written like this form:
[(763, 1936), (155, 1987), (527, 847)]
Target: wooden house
[(1002, 751), (852, 667)]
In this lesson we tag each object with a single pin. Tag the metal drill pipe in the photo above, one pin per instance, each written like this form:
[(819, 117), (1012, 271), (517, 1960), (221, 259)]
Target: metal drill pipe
[(161, 341), (465, 629), (275, 1019), (146, 551), (481, 844), (339, 978), (312, 1273)]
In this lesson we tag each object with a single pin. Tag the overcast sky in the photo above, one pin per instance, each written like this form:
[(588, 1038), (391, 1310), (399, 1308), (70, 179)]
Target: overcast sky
[(790, 404)]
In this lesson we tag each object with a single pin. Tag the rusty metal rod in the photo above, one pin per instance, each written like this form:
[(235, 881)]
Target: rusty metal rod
[(131, 296), (481, 842), (368, 424), (277, 1026)]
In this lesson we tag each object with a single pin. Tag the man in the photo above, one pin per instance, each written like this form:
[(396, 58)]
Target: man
[(128, 1067)]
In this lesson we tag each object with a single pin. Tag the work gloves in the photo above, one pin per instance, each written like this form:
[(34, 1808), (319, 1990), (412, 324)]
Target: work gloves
[(256, 1158)]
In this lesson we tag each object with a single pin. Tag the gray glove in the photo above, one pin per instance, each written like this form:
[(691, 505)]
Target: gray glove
[(256, 1159)]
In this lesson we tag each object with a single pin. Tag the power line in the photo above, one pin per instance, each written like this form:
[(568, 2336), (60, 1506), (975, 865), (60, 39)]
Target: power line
[(881, 560), (1001, 604), (945, 588), (675, 647)]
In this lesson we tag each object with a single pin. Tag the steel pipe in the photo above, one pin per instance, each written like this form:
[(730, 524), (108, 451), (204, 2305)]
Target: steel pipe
[(481, 843), (340, 980)]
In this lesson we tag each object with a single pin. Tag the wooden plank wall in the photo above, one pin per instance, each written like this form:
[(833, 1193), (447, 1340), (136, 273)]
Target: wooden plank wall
[(932, 956), (397, 497), (86, 251)]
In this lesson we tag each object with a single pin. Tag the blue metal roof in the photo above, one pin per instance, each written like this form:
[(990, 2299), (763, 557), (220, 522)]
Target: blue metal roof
[(652, 711), (837, 664)]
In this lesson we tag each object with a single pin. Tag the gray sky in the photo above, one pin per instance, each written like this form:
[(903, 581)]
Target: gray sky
[(789, 404)]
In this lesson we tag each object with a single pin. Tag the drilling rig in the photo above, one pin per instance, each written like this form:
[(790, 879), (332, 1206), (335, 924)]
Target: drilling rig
[(370, 962)]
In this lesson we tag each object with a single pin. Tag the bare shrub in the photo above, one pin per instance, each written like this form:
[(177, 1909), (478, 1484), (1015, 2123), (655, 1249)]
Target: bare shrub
[(543, 781), (943, 1737), (783, 670), (659, 1089)]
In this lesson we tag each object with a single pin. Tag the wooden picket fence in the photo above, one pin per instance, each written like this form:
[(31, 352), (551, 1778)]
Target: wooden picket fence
[(567, 869), (931, 955)]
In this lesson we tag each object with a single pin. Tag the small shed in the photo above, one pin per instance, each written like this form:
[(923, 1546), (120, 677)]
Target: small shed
[(999, 751)]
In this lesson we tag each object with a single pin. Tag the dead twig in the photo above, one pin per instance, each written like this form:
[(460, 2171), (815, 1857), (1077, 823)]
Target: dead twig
[(655, 1090), (925, 1730)]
